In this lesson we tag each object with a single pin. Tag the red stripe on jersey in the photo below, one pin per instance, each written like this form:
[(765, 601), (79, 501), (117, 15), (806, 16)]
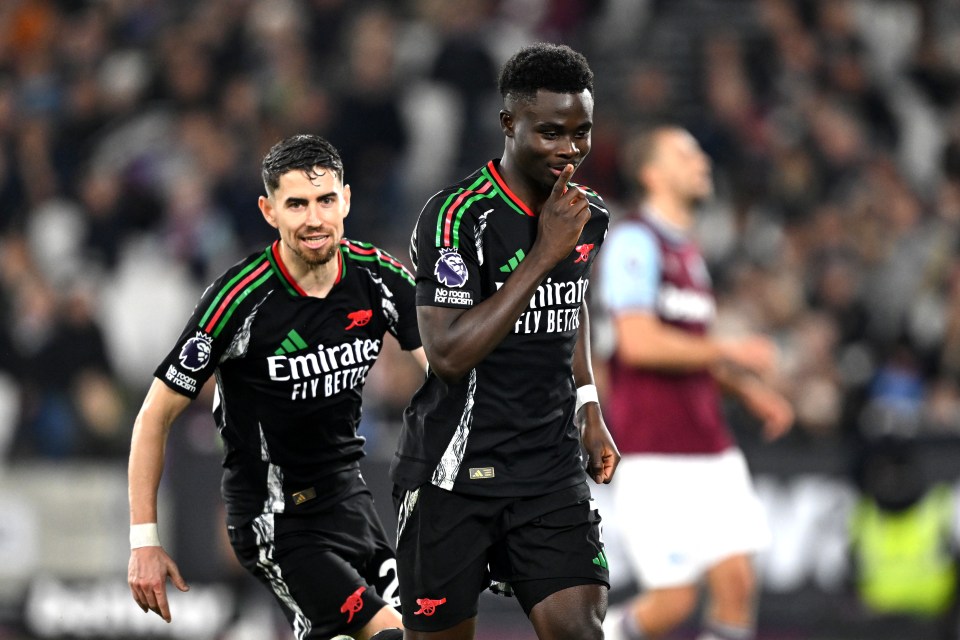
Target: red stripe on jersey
[(357, 248), (448, 216), (510, 194), (283, 268), (233, 293)]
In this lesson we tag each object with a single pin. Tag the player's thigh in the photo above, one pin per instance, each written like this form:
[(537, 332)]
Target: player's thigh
[(574, 612), (317, 589), (442, 556), (553, 543), (365, 544)]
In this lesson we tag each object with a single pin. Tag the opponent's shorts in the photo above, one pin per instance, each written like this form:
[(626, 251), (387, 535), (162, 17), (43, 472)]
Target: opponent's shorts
[(450, 546), (331, 572), (679, 515)]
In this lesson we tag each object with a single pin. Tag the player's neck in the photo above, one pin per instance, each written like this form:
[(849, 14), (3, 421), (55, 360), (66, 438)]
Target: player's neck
[(529, 194), (671, 210), (316, 280)]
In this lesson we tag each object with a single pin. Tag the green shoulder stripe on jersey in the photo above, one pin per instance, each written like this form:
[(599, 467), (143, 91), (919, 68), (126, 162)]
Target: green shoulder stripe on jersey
[(223, 302), (453, 208), (366, 252), (239, 298), (488, 185)]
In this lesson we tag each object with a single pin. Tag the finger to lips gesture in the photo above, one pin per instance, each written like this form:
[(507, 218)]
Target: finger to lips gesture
[(563, 216)]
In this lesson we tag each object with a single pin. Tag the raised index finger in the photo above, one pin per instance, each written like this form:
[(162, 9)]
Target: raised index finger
[(560, 186)]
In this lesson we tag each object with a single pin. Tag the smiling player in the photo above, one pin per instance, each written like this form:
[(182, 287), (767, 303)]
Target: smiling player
[(491, 483), (290, 333)]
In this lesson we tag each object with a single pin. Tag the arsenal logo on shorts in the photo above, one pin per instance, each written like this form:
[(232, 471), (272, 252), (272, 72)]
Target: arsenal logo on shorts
[(353, 604), (428, 606)]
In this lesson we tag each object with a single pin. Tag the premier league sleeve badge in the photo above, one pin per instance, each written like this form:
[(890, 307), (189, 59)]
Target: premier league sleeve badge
[(450, 270)]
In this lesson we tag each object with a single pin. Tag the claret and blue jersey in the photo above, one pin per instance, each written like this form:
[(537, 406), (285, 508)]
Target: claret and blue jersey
[(507, 427), (290, 371), (649, 267)]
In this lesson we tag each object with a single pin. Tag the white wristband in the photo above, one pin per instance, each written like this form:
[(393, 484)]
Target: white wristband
[(586, 393), (144, 535)]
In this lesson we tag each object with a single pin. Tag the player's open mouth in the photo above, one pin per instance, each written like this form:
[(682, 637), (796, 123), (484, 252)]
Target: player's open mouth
[(315, 242)]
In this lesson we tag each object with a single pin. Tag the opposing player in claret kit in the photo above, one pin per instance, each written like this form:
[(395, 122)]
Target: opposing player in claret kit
[(290, 334), (490, 480), (690, 517)]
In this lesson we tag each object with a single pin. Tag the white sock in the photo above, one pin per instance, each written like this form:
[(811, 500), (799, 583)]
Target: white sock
[(721, 631), (630, 628)]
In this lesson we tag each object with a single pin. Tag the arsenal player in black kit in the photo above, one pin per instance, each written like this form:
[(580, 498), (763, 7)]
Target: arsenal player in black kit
[(290, 334), (490, 481)]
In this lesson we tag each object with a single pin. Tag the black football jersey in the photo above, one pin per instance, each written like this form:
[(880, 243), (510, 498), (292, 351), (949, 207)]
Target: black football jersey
[(506, 428), (290, 370)]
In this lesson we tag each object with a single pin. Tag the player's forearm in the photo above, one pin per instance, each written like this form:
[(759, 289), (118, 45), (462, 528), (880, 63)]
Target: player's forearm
[(147, 448), (582, 362), (670, 350), (144, 470)]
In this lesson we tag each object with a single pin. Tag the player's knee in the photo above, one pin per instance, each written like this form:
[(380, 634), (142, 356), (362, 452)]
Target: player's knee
[(736, 589), (586, 627), (675, 604)]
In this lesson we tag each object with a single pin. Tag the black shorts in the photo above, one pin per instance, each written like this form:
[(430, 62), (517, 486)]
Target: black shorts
[(451, 546), (331, 572)]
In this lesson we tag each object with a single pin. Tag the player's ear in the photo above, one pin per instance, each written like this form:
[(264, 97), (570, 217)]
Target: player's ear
[(346, 200), (266, 208), (506, 122)]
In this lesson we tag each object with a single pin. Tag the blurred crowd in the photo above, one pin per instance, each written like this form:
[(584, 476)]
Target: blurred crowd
[(131, 135)]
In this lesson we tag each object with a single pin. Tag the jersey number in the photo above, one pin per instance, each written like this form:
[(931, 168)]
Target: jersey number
[(392, 591)]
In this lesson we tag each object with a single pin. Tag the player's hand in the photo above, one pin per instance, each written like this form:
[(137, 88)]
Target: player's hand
[(602, 453), (771, 408), (147, 576), (562, 218), (757, 354)]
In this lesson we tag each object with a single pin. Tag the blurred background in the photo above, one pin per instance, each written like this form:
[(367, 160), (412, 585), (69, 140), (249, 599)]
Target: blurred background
[(131, 135)]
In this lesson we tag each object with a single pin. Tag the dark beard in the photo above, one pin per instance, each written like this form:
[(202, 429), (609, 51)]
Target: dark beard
[(313, 259)]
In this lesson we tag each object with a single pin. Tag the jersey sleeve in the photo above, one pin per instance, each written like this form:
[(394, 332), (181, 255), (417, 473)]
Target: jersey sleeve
[(400, 307), (445, 253), (205, 338), (630, 269)]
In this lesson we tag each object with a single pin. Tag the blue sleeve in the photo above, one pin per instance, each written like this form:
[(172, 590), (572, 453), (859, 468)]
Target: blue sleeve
[(630, 269)]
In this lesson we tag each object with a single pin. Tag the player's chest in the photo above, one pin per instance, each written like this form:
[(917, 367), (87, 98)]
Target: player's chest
[(504, 245), (302, 341)]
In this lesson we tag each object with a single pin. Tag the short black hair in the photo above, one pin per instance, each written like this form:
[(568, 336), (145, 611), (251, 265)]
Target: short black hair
[(641, 149), (303, 152), (552, 67)]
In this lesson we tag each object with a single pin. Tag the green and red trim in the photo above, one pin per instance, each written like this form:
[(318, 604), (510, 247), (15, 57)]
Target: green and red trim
[(366, 252), (233, 293), (273, 253), (508, 195), (448, 222), (489, 184)]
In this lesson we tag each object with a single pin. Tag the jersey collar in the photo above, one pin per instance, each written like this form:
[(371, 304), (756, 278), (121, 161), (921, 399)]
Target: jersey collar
[(273, 253), (508, 195)]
